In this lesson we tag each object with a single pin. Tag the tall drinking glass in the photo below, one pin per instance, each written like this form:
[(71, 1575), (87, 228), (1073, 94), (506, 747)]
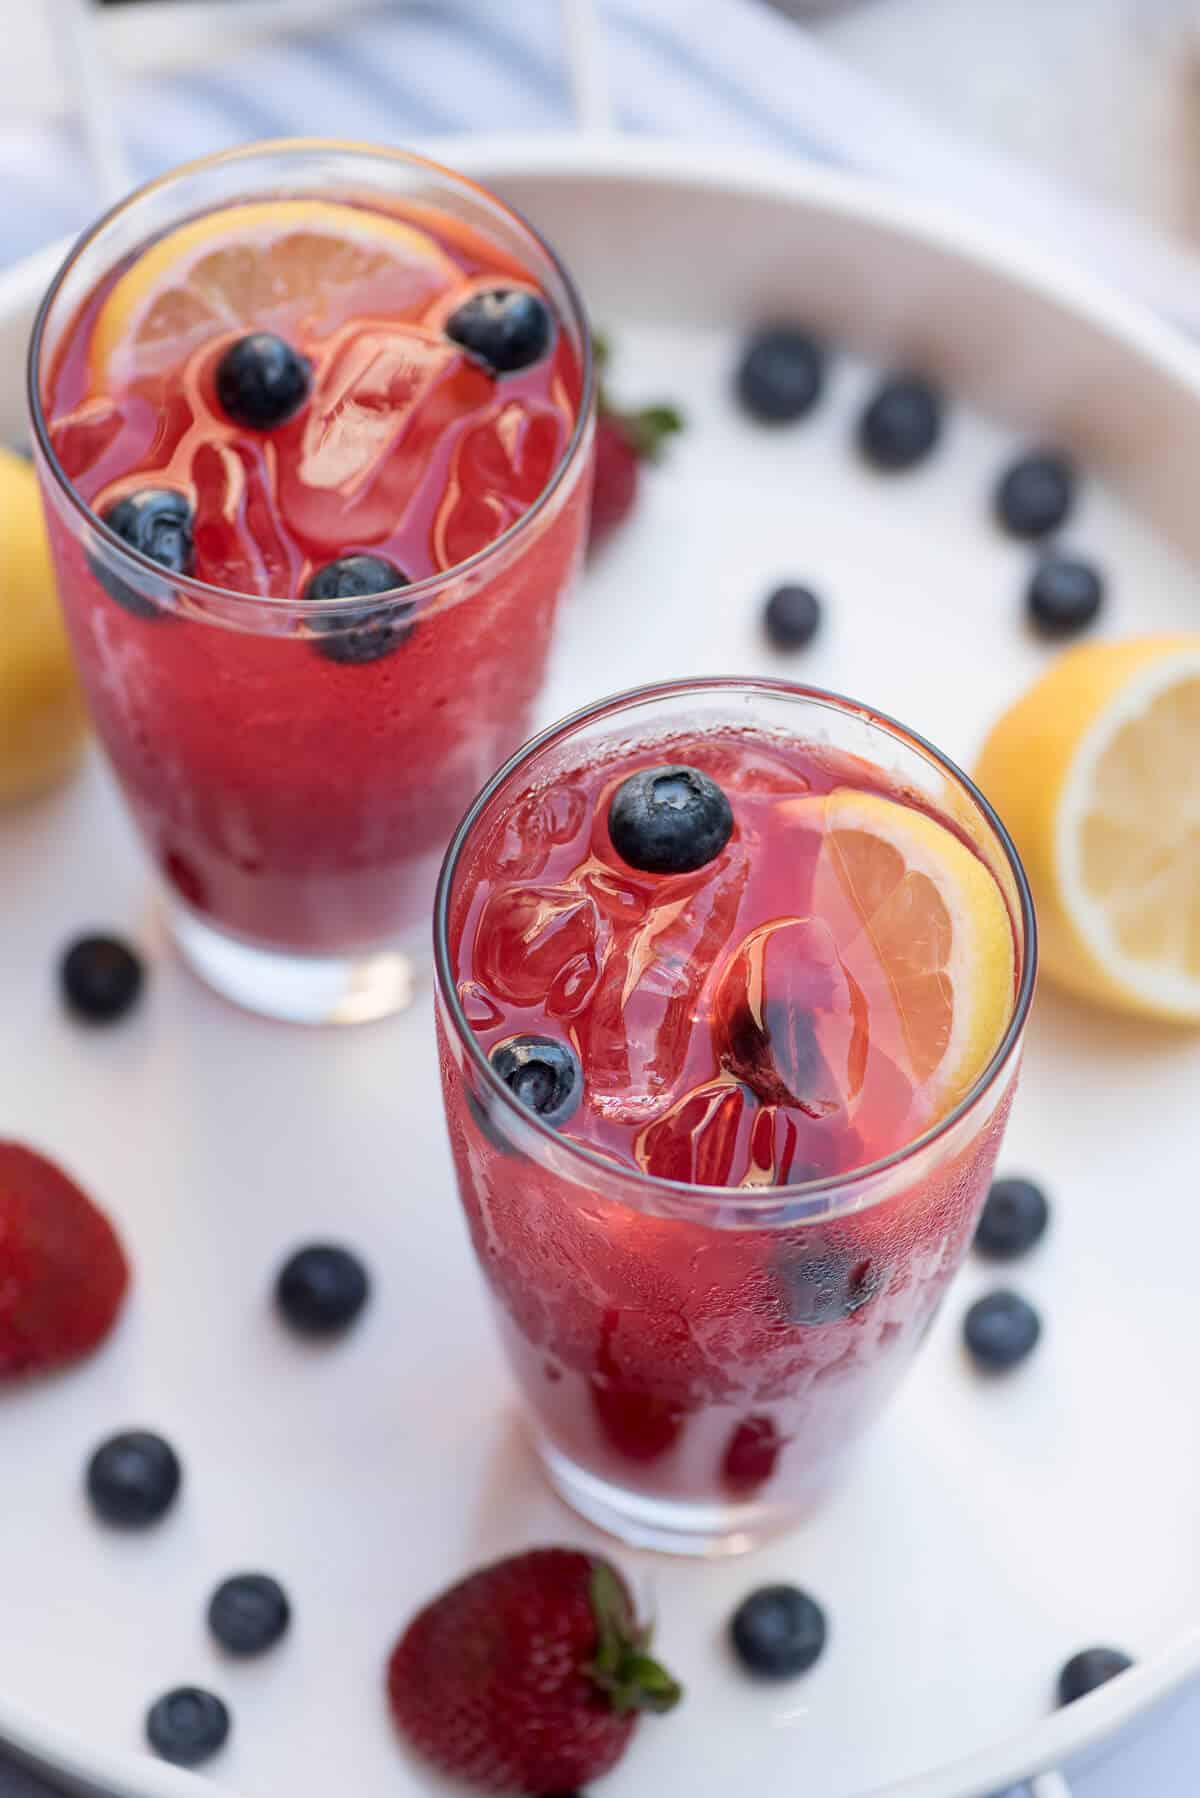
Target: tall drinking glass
[(313, 424), (717, 1181)]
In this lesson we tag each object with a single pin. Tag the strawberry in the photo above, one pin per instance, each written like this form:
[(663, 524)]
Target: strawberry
[(529, 1675), (624, 440), (63, 1273)]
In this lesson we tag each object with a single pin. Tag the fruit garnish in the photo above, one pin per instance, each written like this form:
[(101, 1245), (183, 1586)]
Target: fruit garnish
[(528, 1676), (1001, 1330), (1095, 773), (542, 1073), (188, 1726), (778, 1632), (504, 328), (1065, 596), (249, 1613), (624, 440), (1035, 494), (791, 616), (1013, 1220), (669, 820), (781, 375), (63, 1273), (321, 1288), (101, 979), (923, 938), (901, 424), (133, 1479), (41, 714), (1088, 1670), (286, 266), (262, 381)]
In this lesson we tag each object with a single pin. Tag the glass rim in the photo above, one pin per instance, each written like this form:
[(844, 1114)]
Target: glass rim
[(763, 1199), (416, 591)]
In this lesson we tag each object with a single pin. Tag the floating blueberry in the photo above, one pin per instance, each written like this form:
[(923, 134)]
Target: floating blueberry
[(157, 522), (101, 978), (781, 375), (669, 820), (249, 1613), (353, 635), (826, 1285), (1065, 596), (778, 1632), (1000, 1330), (187, 1726), (1090, 1668), (321, 1289), (506, 328), (1013, 1220), (1035, 495), (792, 617), (542, 1073), (133, 1479), (901, 424), (262, 381)]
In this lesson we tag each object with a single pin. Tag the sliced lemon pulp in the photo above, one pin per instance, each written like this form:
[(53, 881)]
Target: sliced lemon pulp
[(1096, 771), (921, 928), (272, 265), (41, 714)]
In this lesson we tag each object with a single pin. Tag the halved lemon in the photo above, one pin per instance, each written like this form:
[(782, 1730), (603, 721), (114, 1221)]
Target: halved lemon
[(302, 266), (922, 929), (1096, 772), (41, 714)]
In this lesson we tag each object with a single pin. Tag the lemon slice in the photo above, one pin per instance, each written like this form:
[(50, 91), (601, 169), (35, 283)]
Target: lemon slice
[(922, 930), (41, 716), (268, 265), (1096, 772)]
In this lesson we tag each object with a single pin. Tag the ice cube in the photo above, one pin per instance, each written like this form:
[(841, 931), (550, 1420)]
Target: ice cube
[(636, 1038), (774, 986), (540, 943), (500, 464)]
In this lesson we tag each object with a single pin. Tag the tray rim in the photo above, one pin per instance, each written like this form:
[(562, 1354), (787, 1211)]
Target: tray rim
[(557, 157)]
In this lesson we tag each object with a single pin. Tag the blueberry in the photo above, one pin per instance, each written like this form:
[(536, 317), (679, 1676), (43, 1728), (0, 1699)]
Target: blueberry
[(249, 1613), (1000, 1330), (1035, 495), (321, 1289), (357, 634), (1090, 1668), (101, 978), (1014, 1218), (669, 820), (505, 328), (781, 375), (133, 1479), (792, 617), (156, 521), (901, 424), (778, 1632), (1065, 596), (262, 381), (542, 1073), (187, 1726), (827, 1285)]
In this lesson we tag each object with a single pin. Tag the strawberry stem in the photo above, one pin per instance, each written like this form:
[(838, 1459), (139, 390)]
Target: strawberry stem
[(646, 429), (629, 1677)]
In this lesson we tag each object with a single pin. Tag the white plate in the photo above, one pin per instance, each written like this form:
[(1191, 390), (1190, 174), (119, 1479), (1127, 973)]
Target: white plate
[(990, 1530)]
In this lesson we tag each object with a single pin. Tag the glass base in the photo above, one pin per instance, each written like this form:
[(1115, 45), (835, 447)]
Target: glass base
[(672, 1526), (295, 989)]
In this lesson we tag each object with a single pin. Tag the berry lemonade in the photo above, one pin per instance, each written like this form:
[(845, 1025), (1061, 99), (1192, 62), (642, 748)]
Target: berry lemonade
[(330, 410), (726, 961)]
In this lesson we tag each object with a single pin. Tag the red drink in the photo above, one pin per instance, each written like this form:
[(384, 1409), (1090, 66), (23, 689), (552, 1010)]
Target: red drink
[(722, 1134), (368, 562)]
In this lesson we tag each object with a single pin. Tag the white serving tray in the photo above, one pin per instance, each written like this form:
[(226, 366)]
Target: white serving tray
[(991, 1529)]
